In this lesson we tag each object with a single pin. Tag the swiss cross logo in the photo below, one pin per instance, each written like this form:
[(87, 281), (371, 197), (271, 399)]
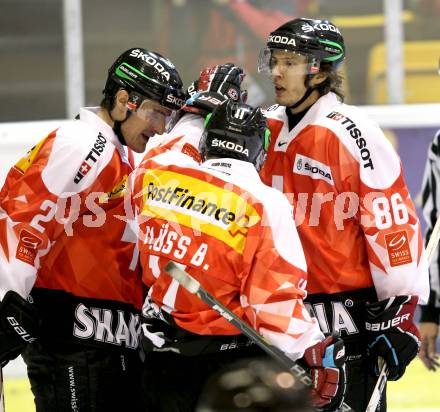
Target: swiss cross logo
[(398, 248), (336, 116), (27, 247), (84, 168), (92, 157)]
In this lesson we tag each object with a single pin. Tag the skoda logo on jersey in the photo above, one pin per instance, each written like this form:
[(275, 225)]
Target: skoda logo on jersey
[(148, 58), (313, 168)]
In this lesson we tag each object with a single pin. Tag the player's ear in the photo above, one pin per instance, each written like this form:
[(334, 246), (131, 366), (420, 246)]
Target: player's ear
[(318, 78), (119, 110), (121, 99)]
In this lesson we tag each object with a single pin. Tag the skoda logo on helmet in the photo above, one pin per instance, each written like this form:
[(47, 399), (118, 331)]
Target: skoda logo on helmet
[(174, 100), (307, 28), (273, 38), (299, 164), (225, 144), (148, 58)]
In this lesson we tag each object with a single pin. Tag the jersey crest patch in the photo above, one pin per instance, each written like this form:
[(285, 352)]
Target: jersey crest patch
[(398, 248), (27, 248)]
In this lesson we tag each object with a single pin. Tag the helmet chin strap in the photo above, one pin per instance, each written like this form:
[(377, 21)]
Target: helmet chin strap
[(303, 99), (118, 132), (117, 127), (306, 94)]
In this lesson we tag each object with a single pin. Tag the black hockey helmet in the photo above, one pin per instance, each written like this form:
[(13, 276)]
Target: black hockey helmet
[(254, 385), (319, 40), (238, 131), (146, 74)]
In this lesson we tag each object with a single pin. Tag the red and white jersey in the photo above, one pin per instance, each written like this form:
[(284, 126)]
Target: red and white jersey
[(354, 214), (63, 229), (235, 236), (184, 137)]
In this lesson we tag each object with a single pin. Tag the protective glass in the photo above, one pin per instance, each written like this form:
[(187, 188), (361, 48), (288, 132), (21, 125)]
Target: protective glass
[(147, 109), (277, 61)]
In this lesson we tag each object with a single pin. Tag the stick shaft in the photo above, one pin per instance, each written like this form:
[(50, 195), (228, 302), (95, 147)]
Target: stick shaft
[(2, 395), (382, 378), (378, 388), (433, 241)]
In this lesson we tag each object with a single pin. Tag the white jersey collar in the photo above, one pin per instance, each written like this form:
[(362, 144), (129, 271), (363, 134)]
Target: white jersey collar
[(321, 106), (231, 167), (90, 116)]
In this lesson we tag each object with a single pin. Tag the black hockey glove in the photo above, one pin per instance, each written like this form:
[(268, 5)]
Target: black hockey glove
[(326, 362), (19, 326), (392, 334), (153, 338), (215, 85)]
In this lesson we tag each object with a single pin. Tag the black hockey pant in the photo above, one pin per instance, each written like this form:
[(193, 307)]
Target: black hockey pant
[(360, 385), (79, 379), (173, 382)]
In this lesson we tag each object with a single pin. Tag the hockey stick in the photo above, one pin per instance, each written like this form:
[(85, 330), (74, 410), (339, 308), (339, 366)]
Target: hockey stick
[(194, 287), (378, 388), (2, 397), (433, 241), (382, 378)]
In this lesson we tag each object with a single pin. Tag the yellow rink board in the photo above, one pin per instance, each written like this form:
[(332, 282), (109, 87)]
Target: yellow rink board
[(18, 395), (418, 390)]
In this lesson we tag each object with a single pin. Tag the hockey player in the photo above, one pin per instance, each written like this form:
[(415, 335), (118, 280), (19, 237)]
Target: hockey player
[(236, 236), (70, 282), (430, 313), (214, 85), (357, 224)]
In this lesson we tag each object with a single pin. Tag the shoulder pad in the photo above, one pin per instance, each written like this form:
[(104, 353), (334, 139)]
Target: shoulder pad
[(77, 157)]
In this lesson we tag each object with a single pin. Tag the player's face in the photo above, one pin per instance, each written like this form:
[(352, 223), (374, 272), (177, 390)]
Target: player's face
[(288, 76), (145, 122)]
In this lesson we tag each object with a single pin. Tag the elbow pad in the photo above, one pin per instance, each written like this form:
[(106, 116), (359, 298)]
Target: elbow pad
[(19, 326)]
